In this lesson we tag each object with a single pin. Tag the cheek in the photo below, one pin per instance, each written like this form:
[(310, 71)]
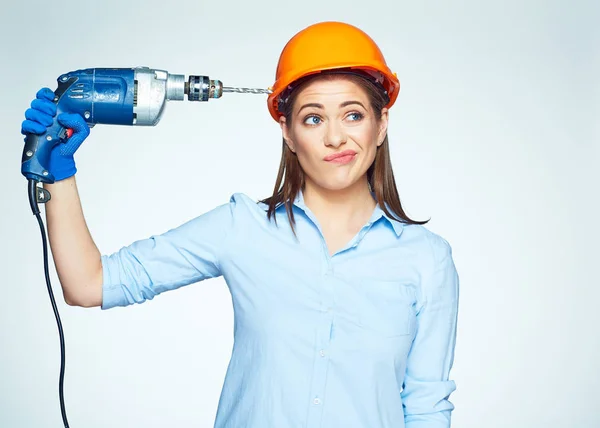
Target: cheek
[(367, 140), (365, 137), (309, 160), (308, 147)]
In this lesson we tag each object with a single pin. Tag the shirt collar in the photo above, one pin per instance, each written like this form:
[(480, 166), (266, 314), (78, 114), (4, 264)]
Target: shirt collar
[(377, 213), (396, 225)]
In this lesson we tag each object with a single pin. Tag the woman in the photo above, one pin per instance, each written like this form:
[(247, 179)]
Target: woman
[(345, 309)]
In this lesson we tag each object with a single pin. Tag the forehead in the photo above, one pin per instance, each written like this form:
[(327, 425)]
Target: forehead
[(332, 89)]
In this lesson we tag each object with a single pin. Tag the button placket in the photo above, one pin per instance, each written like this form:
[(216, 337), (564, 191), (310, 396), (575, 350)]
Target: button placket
[(325, 325)]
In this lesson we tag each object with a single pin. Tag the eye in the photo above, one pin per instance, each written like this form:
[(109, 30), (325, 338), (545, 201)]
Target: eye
[(355, 116), (312, 120)]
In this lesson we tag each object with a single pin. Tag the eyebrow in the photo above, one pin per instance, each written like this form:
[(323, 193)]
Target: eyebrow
[(342, 105)]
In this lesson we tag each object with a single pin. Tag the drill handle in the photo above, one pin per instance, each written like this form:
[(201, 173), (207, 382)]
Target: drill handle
[(36, 152)]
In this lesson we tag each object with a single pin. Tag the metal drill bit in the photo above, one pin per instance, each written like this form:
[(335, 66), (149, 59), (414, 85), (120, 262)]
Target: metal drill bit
[(246, 90)]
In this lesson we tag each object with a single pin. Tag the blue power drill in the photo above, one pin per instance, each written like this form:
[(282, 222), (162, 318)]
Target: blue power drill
[(115, 96)]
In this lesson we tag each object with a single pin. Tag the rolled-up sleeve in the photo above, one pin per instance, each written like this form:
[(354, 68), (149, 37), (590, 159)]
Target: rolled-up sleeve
[(178, 257), (427, 386)]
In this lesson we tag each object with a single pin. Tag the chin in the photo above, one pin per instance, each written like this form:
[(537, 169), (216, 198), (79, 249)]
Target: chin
[(336, 185)]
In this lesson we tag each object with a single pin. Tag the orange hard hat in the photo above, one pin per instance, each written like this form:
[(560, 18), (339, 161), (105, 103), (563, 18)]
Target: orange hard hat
[(330, 46)]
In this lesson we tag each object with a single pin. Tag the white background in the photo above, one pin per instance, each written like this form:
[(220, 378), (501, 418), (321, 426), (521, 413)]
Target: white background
[(494, 137)]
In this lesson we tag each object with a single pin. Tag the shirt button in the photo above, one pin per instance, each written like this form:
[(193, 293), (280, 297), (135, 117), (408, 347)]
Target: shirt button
[(317, 401), (322, 353)]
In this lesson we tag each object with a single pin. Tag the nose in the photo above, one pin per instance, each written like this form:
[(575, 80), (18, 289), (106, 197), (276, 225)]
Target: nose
[(334, 134)]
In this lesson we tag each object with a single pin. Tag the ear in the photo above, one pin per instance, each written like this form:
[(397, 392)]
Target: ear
[(285, 132), (383, 126)]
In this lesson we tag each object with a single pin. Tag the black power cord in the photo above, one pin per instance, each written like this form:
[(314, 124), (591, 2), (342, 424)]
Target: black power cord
[(34, 199)]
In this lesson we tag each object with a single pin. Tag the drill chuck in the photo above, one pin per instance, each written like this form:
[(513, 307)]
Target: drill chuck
[(201, 88)]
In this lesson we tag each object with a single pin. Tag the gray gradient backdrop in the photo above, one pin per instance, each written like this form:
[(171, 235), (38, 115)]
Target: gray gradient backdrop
[(494, 136)]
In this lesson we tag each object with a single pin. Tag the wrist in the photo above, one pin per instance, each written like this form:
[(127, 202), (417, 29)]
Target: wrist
[(64, 173), (61, 167)]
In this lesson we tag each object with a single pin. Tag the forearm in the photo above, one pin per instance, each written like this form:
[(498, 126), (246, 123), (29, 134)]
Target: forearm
[(75, 254)]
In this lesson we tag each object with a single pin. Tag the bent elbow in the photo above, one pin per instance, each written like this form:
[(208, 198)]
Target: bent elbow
[(69, 301), (81, 302), (88, 297)]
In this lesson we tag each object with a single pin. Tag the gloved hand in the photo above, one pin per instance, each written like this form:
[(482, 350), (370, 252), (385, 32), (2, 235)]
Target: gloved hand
[(40, 116)]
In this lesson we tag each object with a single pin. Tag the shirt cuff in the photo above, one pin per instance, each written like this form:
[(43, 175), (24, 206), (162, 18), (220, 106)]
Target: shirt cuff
[(112, 294)]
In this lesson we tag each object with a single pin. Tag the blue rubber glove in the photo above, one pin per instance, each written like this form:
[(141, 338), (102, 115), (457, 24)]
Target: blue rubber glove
[(40, 116)]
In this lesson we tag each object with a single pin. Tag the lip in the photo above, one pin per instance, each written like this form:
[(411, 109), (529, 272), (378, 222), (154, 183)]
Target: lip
[(346, 155)]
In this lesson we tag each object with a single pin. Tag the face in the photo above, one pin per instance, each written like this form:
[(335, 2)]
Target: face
[(334, 132)]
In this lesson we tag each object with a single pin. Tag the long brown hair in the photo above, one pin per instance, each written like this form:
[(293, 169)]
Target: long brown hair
[(380, 176)]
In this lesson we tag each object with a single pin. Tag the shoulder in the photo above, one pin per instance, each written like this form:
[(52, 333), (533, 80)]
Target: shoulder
[(239, 198), (439, 278), (432, 247), (241, 201), (243, 208), (239, 207)]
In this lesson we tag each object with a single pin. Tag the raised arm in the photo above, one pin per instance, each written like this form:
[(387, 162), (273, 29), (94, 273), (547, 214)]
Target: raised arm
[(75, 255)]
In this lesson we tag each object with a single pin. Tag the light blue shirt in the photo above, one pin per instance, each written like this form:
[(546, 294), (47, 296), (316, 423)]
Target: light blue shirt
[(361, 339)]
